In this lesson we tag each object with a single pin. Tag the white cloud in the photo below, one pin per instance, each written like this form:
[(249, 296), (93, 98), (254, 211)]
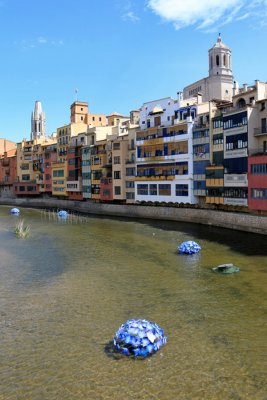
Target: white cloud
[(206, 14), (42, 40), (130, 16)]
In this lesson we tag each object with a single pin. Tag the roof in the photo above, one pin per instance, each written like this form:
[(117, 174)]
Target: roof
[(219, 43)]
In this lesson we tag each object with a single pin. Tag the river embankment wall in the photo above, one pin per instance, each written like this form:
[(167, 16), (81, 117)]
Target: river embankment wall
[(231, 220)]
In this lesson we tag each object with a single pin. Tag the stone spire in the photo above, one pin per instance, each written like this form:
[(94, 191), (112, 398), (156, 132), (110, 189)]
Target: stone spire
[(38, 122)]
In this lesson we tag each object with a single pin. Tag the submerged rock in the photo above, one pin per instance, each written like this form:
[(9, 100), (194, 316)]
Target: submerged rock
[(226, 269)]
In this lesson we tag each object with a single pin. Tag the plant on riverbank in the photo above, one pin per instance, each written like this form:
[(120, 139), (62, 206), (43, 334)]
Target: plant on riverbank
[(21, 231)]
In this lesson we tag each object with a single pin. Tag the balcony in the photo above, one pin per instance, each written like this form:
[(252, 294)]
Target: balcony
[(202, 140), (235, 180), (231, 201), (127, 161), (155, 178), (201, 156), (260, 131)]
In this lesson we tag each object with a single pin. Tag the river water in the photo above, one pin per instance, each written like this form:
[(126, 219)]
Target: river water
[(66, 290)]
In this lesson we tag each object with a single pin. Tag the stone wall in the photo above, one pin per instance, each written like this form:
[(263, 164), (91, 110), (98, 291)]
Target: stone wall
[(236, 221)]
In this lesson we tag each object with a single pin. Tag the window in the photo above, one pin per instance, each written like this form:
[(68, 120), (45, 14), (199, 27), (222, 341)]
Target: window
[(130, 196), (142, 189), (129, 184), (25, 177), (130, 171), (217, 61), (81, 108), (157, 121), (263, 125), (164, 190), (100, 119), (86, 175), (25, 166), (262, 106), (153, 190), (85, 163), (116, 146), (93, 118), (117, 160), (258, 169), (181, 190), (117, 174), (117, 190), (58, 173), (81, 118), (260, 194)]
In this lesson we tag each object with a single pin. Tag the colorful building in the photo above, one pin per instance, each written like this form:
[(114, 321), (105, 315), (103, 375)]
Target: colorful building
[(8, 172)]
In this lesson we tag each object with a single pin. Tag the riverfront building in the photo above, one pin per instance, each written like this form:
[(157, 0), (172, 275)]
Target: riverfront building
[(208, 146)]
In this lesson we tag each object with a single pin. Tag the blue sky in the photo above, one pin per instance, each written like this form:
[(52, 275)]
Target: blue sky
[(117, 53)]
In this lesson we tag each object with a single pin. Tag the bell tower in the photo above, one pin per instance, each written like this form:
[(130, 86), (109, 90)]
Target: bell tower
[(38, 122), (220, 71)]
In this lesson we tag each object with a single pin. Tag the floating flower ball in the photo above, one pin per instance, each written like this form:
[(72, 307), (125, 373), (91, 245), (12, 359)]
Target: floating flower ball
[(62, 214), (139, 338), (14, 211), (189, 247)]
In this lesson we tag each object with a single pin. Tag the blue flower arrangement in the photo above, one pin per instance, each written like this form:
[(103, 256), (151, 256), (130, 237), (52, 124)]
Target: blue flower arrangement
[(139, 338), (62, 214), (189, 247), (15, 211)]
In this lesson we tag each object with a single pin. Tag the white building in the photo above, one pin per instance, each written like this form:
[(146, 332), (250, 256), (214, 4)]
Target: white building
[(164, 158)]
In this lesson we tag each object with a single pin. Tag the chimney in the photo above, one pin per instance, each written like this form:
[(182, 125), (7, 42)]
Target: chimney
[(199, 98), (245, 87), (234, 89)]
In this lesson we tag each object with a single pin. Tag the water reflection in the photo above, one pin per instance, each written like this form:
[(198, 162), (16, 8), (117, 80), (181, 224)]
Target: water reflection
[(66, 289)]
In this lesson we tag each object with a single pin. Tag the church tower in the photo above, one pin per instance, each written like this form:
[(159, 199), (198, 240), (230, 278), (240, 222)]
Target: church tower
[(38, 122), (220, 71)]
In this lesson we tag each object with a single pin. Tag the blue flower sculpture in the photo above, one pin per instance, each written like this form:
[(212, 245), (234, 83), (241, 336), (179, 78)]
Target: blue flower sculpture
[(62, 214), (189, 247), (139, 338), (14, 211)]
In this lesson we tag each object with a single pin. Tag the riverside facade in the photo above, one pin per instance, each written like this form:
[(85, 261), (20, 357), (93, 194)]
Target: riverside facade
[(206, 147)]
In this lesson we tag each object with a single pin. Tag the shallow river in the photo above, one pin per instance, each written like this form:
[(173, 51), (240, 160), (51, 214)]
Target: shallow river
[(66, 290)]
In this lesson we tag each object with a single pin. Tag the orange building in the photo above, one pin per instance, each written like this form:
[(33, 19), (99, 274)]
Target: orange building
[(79, 112)]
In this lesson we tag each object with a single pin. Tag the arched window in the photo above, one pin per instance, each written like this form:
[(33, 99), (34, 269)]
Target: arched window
[(211, 62), (241, 103), (217, 61), (224, 60)]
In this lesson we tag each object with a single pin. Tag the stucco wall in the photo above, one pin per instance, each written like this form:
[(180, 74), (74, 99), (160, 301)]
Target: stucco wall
[(238, 221)]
